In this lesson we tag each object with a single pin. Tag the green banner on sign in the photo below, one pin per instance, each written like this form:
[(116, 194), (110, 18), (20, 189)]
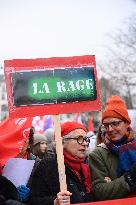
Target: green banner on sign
[(53, 86)]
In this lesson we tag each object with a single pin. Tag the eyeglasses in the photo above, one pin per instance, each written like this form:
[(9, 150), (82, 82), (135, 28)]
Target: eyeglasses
[(113, 124), (80, 139)]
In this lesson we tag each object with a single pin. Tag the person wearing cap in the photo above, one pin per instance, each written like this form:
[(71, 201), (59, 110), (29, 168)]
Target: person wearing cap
[(39, 146), (35, 146), (113, 162), (45, 187)]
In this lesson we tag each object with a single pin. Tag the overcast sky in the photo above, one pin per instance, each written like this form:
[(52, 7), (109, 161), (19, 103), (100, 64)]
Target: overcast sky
[(48, 28)]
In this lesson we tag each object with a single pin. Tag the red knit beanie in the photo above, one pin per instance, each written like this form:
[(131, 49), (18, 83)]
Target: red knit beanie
[(67, 127), (115, 107)]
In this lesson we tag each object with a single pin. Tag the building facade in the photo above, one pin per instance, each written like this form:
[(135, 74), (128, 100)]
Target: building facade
[(3, 99)]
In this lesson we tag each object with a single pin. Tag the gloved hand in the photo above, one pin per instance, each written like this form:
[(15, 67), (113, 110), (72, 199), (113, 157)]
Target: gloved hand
[(130, 178), (23, 192)]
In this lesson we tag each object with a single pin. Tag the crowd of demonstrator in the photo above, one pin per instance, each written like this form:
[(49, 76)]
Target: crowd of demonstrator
[(108, 171)]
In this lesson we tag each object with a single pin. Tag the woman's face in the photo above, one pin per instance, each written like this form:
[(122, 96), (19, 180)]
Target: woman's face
[(43, 146), (72, 146)]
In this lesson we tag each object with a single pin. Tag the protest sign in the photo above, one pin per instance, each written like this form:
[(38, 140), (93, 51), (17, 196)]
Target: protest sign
[(52, 86)]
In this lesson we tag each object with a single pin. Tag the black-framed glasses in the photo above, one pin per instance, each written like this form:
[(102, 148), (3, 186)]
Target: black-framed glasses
[(80, 139), (113, 124)]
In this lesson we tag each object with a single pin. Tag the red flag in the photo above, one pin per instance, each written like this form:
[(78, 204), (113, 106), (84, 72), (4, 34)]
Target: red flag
[(13, 134), (90, 124)]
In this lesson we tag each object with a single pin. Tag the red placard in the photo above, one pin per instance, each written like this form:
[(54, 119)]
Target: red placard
[(12, 67)]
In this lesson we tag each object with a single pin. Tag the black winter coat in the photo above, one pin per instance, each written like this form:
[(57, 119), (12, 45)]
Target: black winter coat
[(8, 193), (45, 185)]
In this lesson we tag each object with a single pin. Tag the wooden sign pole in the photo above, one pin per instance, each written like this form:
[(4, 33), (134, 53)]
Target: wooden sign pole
[(59, 151)]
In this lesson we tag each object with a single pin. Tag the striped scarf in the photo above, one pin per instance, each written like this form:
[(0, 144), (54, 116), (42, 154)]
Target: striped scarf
[(125, 149)]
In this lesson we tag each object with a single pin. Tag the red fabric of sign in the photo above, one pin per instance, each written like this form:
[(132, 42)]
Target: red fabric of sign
[(125, 201), (13, 134)]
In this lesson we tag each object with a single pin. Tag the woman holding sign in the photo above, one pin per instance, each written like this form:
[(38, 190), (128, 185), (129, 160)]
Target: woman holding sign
[(45, 183)]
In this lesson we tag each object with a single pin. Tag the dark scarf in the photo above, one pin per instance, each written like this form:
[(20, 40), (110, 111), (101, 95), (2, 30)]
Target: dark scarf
[(126, 151), (77, 166)]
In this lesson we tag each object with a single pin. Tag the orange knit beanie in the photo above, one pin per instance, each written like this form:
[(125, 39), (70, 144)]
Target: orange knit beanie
[(116, 107)]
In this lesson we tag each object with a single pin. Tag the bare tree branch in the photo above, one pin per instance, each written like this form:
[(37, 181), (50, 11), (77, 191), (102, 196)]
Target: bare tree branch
[(120, 68)]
